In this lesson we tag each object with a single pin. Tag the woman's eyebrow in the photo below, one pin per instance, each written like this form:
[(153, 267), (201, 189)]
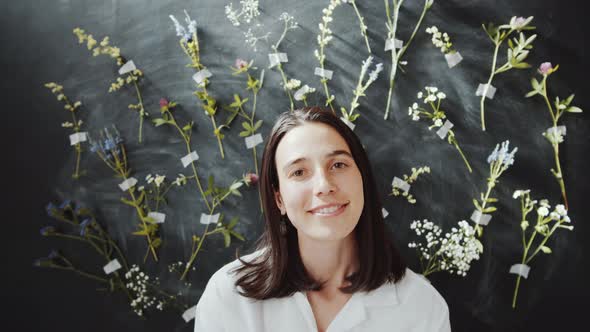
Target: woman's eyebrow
[(329, 155)]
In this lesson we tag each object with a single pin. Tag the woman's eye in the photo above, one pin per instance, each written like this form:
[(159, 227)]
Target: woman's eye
[(299, 171), (340, 163)]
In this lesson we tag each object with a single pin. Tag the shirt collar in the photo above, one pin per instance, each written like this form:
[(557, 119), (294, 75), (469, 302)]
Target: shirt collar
[(385, 295)]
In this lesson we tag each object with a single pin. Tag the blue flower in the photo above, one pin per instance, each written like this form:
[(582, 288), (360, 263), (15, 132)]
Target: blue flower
[(66, 203), (109, 144), (84, 226), (50, 208), (53, 254), (47, 230), (94, 147)]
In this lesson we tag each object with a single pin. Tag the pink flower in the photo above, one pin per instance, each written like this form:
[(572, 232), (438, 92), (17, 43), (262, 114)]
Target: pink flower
[(251, 179), (546, 68), (240, 64), (163, 102)]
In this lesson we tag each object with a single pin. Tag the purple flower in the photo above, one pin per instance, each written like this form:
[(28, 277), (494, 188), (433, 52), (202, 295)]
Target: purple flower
[(241, 64), (47, 230), (163, 102), (546, 68), (84, 226), (251, 178), (50, 208), (65, 204), (53, 254)]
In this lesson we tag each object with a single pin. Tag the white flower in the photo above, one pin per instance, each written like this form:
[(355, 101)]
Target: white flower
[(542, 211), (441, 95), (67, 124), (438, 122), (420, 95), (292, 84), (501, 155), (159, 179), (560, 209)]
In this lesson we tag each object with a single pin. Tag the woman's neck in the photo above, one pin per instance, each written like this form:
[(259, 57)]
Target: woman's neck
[(330, 261)]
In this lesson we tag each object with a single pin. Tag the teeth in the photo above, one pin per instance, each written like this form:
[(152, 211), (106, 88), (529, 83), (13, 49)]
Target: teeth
[(328, 210)]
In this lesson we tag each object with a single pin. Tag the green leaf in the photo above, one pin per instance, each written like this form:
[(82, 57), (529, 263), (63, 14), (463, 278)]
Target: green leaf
[(141, 232), (574, 109), (521, 65), (546, 250), (344, 112), (476, 203), (233, 222), (196, 238), (257, 125), (156, 243), (237, 235), (492, 200), (210, 182), (244, 133), (236, 185), (489, 209), (188, 126), (227, 238), (354, 116), (531, 93), (128, 202), (247, 126), (159, 122), (535, 83)]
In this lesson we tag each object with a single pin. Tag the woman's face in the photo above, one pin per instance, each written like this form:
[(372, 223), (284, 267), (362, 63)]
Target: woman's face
[(316, 169)]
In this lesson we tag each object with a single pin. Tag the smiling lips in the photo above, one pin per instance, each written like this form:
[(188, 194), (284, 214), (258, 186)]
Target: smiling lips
[(329, 210)]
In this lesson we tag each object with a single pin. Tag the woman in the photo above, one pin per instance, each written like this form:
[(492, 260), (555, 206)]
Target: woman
[(325, 261)]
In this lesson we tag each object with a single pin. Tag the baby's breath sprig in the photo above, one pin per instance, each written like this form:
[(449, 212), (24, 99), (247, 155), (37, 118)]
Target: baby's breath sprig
[(395, 190), (217, 194), (444, 43), (555, 135), (547, 223), (360, 89), (131, 77), (111, 150), (245, 14), (500, 160), (430, 96), (288, 84), (237, 107), (518, 50), (76, 124), (78, 223), (362, 25), (324, 38), (146, 293), (189, 42), (452, 252), (392, 21)]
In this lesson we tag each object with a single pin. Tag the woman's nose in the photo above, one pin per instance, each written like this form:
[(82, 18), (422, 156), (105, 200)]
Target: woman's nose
[(323, 184)]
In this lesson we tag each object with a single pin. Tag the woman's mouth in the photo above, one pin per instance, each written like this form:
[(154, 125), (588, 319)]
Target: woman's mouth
[(331, 211)]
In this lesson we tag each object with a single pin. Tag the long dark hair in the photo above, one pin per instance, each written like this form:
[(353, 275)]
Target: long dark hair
[(278, 270)]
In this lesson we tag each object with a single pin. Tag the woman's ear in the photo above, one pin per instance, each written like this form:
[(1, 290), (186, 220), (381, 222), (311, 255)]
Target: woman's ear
[(279, 202)]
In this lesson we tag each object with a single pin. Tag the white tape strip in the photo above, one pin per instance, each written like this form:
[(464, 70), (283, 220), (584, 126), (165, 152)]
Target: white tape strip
[(520, 269), (201, 75), (348, 123), (389, 44), (276, 58), (444, 130), (129, 66), (209, 219), (562, 130), (487, 89), (399, 183), (252, 141), (301, 92), (189, 158), (384, 212), (453, 59), (78, 137), (480, 219), (128, 183), (189, 314), (111, 266), (157, 216), (327, 74)]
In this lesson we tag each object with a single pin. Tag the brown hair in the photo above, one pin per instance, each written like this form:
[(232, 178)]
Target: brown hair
[(279, 271)]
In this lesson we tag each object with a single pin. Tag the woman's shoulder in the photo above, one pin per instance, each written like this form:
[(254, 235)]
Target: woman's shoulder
[(224, 279), (415, 290)]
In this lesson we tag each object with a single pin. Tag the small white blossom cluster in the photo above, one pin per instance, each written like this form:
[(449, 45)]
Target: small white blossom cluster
[(248, 12), (452, 252), (252, 38), (289, 20), (544, 213), (325, 35), (429, 96), (292, 84), (180, 180), (137, 283), (157, 180), (372, 75), (187, 33), (440, 40), (555, 136), (68, 124), (500, 157)]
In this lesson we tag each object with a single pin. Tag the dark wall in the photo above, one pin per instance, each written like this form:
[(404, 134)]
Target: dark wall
[(38, 47)]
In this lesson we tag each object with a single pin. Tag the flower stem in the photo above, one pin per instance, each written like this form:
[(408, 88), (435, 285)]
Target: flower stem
[(141, 109), (483, 95), (362, 25)]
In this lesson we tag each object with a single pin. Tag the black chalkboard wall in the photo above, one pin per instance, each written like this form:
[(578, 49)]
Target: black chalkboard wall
[(38, 46)]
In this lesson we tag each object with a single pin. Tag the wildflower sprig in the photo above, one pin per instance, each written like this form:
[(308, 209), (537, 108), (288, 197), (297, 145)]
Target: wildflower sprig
[(324, 38), (362, 24), (213, 196), (79, 224), (189, 42), (237, 107), (433, 98), (396, 56), (131, 77), (554, 135), (288, 84), (452, 252), (76, 124), (245, 14), (500, 160), (517, 52), (110, 149), (395, 190), (441, 40), (361, 87), (535, 236)]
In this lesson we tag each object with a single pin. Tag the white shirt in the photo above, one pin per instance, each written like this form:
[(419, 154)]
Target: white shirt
[(410, 305)]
